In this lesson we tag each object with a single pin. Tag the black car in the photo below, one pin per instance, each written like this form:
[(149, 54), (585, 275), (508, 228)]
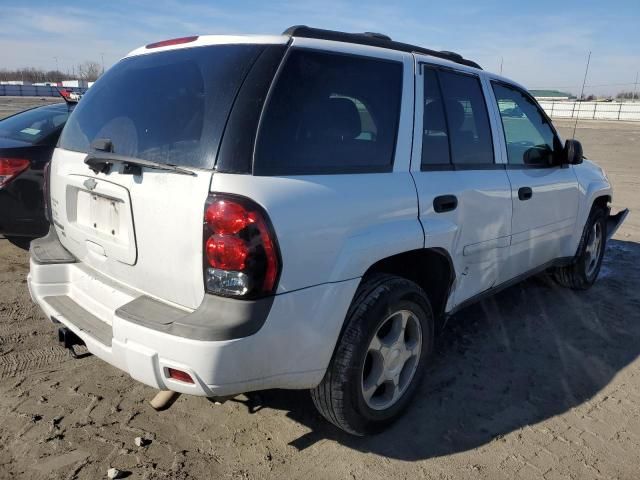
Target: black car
[(27, 141)]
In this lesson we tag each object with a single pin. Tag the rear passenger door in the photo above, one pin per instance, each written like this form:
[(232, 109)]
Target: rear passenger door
[(463, 189), (544, 192)]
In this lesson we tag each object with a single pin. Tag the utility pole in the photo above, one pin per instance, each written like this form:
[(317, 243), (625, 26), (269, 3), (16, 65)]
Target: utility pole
[(57, 79), (102, 55), (635, 88), (584, 81)]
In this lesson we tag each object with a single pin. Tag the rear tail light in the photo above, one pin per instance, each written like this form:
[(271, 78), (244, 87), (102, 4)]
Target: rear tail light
[(10, 168), (241, 257)]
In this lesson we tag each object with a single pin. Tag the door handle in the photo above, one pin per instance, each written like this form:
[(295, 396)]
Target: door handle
[(525, 193), (445, 203)]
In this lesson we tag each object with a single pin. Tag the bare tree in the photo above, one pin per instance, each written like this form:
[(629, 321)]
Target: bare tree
[(89, 71), (626, 95)]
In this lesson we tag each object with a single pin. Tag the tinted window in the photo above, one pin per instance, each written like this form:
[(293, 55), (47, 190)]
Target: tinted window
[(528, 134), (169, 107), (467, 119), (330, 113), (35, 124), (435, 135)]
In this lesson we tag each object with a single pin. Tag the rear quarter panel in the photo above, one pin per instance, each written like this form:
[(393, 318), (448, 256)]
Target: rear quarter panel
[(334, 227)]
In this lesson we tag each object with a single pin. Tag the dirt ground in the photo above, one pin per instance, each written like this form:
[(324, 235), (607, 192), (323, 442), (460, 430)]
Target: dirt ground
[(537, 382)]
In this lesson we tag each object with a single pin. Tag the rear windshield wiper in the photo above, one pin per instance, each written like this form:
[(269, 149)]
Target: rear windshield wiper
[(101, 162)]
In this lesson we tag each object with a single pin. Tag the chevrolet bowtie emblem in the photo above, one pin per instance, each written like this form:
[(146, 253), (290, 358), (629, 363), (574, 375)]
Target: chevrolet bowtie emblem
[(90, 183)]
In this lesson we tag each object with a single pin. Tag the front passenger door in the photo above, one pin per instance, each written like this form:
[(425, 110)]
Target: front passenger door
[(544, 192)]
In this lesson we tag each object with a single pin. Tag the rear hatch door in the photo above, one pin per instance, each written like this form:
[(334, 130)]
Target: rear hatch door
[(142, 226)]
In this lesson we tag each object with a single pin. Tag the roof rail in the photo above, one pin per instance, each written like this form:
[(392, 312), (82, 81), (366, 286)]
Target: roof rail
[(375, 40)]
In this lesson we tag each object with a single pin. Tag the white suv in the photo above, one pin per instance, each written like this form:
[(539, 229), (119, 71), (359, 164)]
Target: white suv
[(304, 211)]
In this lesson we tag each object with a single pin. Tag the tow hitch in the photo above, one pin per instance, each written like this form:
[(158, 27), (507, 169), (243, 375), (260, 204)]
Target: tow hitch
[(68, 339)]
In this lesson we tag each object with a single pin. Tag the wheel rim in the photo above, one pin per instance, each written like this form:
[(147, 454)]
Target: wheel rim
[(391, 360), (592, 251)]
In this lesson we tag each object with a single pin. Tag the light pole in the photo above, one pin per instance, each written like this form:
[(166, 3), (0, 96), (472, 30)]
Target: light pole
[(635, 88), (57, 74), (102, 55)]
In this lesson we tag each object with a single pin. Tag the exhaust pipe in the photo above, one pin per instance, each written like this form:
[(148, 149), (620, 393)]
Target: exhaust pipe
[(164, 399)]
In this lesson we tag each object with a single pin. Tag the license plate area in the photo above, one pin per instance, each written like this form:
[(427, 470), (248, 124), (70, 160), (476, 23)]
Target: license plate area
[(100, 213), (99, 218)]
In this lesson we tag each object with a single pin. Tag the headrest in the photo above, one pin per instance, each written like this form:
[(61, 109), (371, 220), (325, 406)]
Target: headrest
[(335, 119)]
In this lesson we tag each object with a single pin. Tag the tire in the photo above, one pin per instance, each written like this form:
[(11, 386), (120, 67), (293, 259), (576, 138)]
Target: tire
[(584, 270), (381, 304)]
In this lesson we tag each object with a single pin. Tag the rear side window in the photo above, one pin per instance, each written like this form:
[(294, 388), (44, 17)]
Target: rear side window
[(467, 119), (330, 113), (169, 107)]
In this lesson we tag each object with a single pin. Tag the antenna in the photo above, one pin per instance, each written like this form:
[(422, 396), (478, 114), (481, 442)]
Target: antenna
[(501, 62), (581, 95)]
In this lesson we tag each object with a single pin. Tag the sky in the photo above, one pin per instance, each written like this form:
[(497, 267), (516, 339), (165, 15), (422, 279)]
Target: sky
[(542, 44)]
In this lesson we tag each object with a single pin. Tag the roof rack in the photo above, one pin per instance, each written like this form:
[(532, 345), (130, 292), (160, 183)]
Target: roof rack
[(375, 40)]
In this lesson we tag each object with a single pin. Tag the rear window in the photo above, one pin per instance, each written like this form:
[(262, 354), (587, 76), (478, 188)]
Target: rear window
[(330, 113), (34, 125), (168, 107)]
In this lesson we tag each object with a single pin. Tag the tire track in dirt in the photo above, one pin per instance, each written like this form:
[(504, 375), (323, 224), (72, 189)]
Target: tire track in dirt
[(24, 329), (17, 363)]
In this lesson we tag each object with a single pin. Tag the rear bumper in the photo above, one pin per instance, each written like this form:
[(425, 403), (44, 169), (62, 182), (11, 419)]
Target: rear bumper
[(291, 350)]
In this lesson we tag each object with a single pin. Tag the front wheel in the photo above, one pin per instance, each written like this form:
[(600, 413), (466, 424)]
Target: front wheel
[(380, 356), (582, 273)]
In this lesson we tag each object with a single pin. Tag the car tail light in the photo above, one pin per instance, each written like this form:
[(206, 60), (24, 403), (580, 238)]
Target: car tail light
[(241, 257), (173, 41), (10, 168), (179, 375)]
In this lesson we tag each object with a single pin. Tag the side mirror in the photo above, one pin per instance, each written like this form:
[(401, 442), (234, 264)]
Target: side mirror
[(573, 152)]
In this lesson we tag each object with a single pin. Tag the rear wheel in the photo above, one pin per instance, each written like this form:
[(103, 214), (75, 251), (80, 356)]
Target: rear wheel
[(582, 273), (379, 359)]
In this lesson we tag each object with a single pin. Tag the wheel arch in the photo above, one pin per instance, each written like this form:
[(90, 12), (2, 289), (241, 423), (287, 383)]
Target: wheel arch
[(595, 190), (601, 200), (427, 267)]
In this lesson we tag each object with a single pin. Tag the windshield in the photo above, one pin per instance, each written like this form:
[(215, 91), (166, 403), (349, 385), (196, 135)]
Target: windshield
[(33, 125), (169, 107)]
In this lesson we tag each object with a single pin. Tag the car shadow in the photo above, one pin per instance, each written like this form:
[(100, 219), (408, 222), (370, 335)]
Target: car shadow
[(527, 354)]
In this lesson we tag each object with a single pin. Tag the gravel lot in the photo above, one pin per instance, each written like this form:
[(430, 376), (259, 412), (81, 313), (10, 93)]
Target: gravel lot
[(537, 382)]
